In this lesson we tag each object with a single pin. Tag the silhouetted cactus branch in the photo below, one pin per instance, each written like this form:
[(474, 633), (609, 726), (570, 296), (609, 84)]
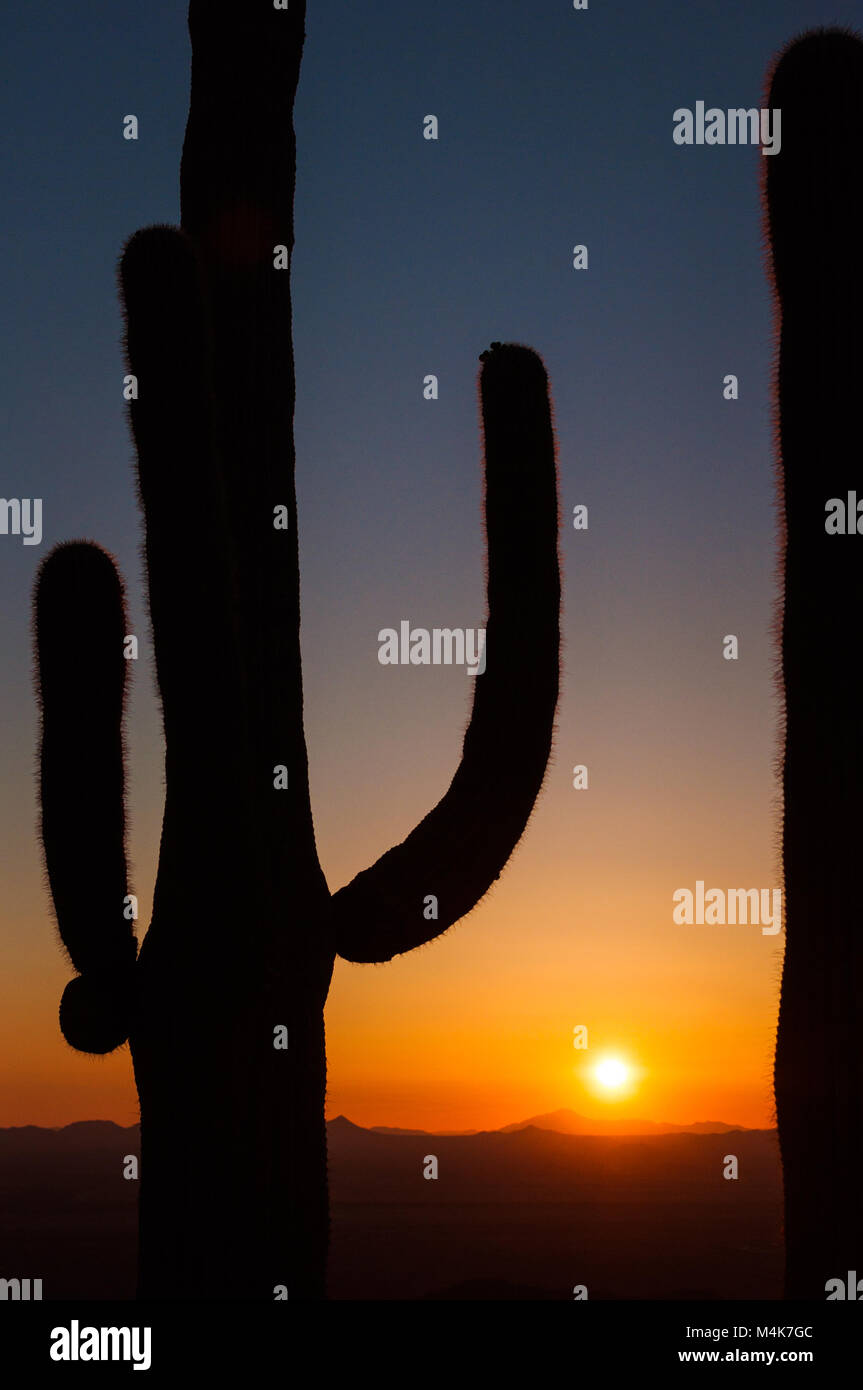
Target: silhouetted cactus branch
[(80, 625), (461, 847)]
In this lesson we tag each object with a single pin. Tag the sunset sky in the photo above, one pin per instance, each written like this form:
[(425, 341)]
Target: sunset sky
[(411, 257)]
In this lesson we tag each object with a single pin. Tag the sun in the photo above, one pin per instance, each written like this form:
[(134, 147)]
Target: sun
[(612, 1074)]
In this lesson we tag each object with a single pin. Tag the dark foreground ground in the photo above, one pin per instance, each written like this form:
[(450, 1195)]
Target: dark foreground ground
[(524, 1215)]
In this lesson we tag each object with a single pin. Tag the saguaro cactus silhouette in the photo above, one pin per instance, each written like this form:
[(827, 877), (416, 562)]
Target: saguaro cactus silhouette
[(244, 929), (814, 224)]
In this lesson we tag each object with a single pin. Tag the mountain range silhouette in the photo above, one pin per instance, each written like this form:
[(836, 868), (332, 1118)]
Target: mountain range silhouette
[(569, 1122), (523, 1212)]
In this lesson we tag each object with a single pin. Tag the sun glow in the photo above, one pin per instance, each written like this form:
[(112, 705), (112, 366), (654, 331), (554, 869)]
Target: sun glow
[(612, 1074)]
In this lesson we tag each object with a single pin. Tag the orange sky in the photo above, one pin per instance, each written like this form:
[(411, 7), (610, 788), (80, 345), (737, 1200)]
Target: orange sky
[(476, 1029)]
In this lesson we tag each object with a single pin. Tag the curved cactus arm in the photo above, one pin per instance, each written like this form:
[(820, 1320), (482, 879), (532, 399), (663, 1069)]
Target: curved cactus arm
[(80, 625), (460, 848)]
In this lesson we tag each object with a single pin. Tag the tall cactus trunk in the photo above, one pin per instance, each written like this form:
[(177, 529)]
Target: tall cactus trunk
[(244, 930), (234, 1189), (251, 1178), (814, 225)]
